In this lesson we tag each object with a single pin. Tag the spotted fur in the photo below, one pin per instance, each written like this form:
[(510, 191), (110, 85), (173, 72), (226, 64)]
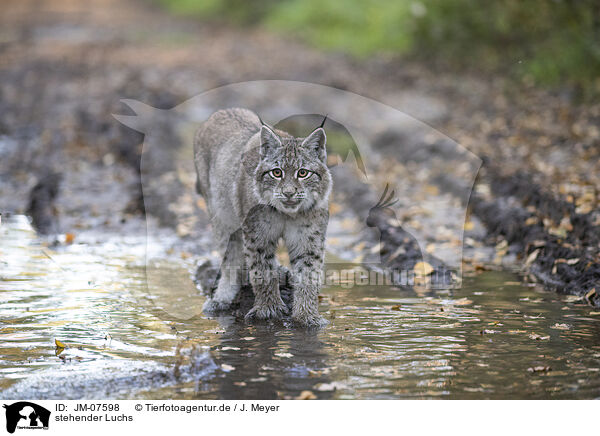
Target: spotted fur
[(263, 185)]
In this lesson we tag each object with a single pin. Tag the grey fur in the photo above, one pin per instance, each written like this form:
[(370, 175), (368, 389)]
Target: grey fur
[(251, 208)]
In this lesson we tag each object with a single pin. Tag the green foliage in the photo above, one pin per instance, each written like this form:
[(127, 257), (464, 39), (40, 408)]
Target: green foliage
[(548, 41), (359, 27), (235, 11)]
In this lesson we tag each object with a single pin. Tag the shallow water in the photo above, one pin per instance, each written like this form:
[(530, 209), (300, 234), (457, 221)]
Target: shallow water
[(128, 340)]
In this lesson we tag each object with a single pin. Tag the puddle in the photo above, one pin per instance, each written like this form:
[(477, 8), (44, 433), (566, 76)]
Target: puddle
[(494, 338)]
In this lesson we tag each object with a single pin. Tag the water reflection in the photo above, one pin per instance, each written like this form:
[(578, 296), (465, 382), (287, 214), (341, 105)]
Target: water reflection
[(494, 338)]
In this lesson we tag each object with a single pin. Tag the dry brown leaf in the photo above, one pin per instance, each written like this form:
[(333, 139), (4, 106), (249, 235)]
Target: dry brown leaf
[(306, 395), (462, 302), (567, 261), (423, 269), (531, 221), (532, 257), (590, 296)]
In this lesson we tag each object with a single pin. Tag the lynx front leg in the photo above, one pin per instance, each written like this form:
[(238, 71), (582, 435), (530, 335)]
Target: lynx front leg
[(264, 277), (231, 274), (307, 250)]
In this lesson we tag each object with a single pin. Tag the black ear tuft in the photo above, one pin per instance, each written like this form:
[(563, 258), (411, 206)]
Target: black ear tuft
[(322, 122)]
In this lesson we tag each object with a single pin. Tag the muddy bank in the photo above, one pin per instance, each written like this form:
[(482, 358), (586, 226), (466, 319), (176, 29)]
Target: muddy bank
[(558, 246)]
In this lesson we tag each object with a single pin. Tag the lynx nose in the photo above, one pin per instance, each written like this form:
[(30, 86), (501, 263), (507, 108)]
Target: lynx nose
[(288, 193)]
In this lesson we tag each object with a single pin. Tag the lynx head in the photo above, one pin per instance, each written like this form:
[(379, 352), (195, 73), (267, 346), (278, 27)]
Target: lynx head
[(292, 174)]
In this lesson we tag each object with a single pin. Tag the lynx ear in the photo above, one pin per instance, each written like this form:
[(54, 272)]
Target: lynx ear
[(268, 141), (316, 141)]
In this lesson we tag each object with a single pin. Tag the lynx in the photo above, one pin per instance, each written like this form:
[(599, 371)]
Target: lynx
[(262, 185)]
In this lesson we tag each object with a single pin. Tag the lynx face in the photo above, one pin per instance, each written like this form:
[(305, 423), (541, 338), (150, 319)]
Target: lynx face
[(292, 175)]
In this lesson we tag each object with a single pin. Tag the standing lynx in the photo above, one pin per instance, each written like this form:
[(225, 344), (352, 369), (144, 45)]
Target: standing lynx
[(262, 185)]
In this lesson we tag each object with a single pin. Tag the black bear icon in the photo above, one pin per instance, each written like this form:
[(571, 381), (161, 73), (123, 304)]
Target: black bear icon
[(30, 413)]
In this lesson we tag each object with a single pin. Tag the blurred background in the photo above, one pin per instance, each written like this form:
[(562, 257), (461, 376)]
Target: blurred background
[(515, 83), (545, 42)]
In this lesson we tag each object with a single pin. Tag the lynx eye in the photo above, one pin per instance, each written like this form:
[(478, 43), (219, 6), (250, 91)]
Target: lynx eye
[(276, 173), (303, 173)]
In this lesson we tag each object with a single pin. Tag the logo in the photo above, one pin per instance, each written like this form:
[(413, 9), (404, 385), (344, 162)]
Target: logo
[(26, 415)]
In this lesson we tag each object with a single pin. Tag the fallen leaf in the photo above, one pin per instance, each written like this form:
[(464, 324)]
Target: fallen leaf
[(284, 355), (69, 238), (531, 221), (559, 232), (462, 302), (395, 307), (532, 257), (537, 337), (568, 261), (324, 387), (306, 395), (376, 248), (590, 296), (558, 326), (226, 367), (539, 369), (423, 269), (59, 344)]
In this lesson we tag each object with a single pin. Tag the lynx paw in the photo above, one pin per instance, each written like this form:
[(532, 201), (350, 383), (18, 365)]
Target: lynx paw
[(267, 312), (213, 306), (309, 320)]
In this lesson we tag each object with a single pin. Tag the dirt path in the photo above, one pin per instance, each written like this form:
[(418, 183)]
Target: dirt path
[(64, 66)]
